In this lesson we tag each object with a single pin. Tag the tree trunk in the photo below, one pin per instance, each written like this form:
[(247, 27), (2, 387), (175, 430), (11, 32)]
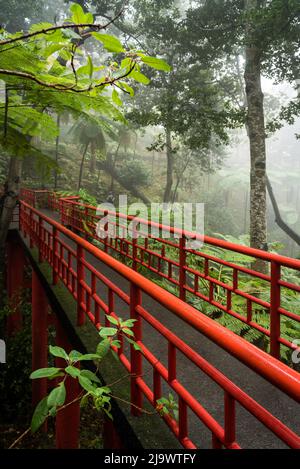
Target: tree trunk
[(8, 203), (257, 137), (107, 167), (170, 167), (81, 167), (113, 165), (56, 151)]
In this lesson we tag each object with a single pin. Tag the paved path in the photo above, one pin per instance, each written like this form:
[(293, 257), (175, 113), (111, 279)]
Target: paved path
[(250, 433)]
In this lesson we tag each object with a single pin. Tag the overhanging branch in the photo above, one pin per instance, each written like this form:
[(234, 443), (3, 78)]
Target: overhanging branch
[(51, 29)]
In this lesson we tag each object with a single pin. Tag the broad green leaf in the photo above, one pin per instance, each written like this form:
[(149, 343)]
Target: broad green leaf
[(39, 415), (140, 77), (128, 89), (112, 319), (116, 343), (134, 344), (162, 400), (128, 323), (84, 401), (52, 411), (88, 357), (126, 63), (110, 43), (72, 371), (70, 34), (85, 70), (90, 67), (57, 396), (89, 18), (44, 373), (108, 331), (91, 376), (74, 355), (78, 14), (103, 348), (117, 100), (37, 27), (102, 390), (86, 384), (58, 352), (128, 331), (156, 63)]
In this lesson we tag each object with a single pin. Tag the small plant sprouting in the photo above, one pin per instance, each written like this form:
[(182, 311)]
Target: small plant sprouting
[(167, 407), (91, 388)]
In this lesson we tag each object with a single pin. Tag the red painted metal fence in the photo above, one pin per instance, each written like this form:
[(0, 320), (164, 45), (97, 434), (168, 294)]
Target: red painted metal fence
[(220, 275), (73, 261)]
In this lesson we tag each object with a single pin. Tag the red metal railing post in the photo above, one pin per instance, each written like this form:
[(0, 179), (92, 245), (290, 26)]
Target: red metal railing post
[(135, 355), (55, 258), (30, 229), (40, 240), (39, 338), (183, 420), (80, 289), (229, 420), (105, 228), (274, 310), (68, 419), (86, 215), (216, 444), (134, 248), (182, 271)]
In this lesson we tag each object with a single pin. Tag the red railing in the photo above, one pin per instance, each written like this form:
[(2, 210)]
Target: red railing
[(220, 275), (45, 198), (268, 303), (75, 262)]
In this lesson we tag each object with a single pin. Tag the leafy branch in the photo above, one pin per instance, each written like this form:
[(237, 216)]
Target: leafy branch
[(51, 29), (91, 390)]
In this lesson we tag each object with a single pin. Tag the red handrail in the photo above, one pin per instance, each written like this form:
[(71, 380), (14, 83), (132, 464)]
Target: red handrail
[(45, 233), (187, 279), (84, 218)]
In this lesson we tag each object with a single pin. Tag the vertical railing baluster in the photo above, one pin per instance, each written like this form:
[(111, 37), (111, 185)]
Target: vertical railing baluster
[(183, 420), (229, 419), (80, 289), (111, 305), (134, 248), (40, 241), (135, 355), (86, 227), (216, 443), (30, 229), (55, 259), (156, 386), (182, 271), (274, 310)]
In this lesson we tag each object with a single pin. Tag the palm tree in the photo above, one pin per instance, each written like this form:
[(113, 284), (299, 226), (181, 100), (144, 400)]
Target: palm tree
[(88, 133)]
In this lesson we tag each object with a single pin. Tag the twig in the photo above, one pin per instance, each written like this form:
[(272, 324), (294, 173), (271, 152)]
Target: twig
[(58, 410), (20, 438), (59, 87), (51, 29), (133, 405)]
